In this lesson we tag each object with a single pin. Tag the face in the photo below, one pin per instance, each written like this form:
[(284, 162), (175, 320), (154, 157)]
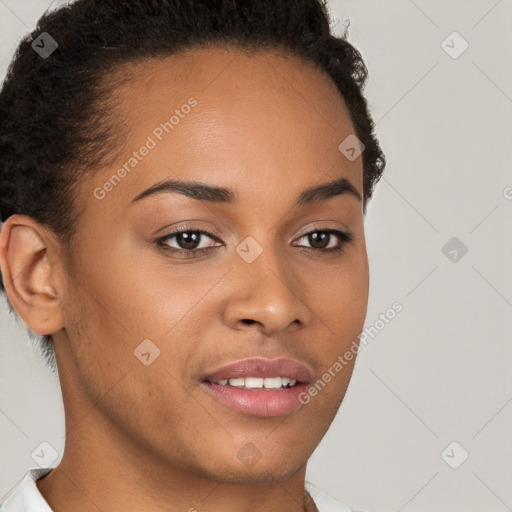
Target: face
[(146, 318)]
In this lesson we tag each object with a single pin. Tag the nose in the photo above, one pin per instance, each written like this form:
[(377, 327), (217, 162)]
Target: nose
[(268, 295)]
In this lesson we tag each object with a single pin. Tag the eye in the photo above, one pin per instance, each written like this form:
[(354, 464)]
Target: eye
[(188, 241), (320, 240)]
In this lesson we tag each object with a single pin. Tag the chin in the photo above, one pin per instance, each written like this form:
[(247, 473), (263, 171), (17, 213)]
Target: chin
[(253, 475), (264, 470)]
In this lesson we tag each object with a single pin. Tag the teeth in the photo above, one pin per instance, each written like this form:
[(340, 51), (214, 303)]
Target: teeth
[(238, 382), (252, 382), (273, 382), (258, 382)]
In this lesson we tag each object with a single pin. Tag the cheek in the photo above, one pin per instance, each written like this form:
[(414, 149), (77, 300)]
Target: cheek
[(108, 324), (136, 314), (340, 305), (341, 293)]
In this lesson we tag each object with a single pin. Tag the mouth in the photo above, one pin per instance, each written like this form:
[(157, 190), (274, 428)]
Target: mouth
[(259, 387), (265, 383)]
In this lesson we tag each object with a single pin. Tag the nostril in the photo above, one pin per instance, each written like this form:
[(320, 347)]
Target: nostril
[(248, 321)]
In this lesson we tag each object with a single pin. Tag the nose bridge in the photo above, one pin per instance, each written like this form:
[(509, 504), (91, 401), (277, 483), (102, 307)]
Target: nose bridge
[(267, 291), (263, 257)]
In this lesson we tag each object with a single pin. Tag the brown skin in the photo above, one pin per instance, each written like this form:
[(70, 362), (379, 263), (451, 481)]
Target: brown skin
[(144, 438)]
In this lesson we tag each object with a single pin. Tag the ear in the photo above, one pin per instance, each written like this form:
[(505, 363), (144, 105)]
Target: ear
[(29, 262)]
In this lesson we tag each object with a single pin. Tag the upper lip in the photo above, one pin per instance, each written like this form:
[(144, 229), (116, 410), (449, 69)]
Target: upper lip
[(261, 367)]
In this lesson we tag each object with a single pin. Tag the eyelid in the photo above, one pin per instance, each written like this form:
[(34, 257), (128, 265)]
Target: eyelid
[(190, 226), (315, 227)]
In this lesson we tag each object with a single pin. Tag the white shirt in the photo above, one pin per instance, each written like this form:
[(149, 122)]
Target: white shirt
[(25, 497)]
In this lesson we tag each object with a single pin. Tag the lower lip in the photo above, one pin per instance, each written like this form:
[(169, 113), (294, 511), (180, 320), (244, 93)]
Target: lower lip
[(258, 402)]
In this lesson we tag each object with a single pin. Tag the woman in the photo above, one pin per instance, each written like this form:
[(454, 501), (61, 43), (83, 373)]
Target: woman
[(183, 192)]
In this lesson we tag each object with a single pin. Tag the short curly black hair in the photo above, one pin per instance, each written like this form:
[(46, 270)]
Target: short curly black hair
[(54, 122)]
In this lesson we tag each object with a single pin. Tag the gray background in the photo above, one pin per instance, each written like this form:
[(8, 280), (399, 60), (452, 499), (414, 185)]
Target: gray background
[(439, 372)]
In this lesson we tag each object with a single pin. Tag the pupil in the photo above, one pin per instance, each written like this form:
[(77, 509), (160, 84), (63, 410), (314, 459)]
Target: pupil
[(187, 241), (323, 236)]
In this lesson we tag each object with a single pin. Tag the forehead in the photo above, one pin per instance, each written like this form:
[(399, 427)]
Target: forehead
[(263, 122)]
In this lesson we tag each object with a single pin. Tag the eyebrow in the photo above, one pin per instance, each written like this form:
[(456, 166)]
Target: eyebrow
[(215, 194)]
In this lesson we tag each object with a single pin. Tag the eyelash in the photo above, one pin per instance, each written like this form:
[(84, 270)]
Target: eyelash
[(344, 239)]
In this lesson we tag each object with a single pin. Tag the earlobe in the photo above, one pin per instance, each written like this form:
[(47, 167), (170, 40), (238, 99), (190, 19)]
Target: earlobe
[(28, 262)]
